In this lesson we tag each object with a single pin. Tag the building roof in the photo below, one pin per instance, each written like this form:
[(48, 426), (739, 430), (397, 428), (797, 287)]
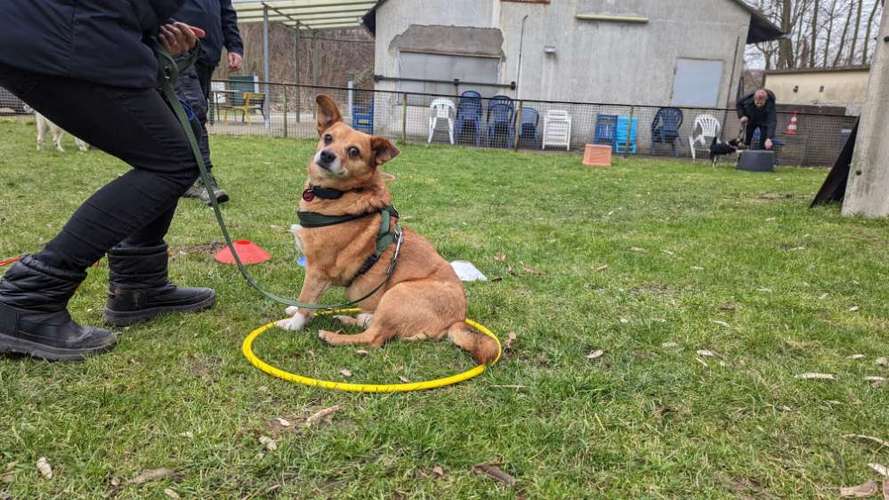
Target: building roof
[(761, 28), (838, 69), (305, 14)]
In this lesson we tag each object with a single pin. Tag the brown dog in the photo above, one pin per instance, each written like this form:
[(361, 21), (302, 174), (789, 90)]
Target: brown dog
[(423, 299)]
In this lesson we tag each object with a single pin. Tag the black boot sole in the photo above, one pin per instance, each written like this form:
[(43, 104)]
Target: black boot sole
[(219, 201), (127, 318), (9, 344)]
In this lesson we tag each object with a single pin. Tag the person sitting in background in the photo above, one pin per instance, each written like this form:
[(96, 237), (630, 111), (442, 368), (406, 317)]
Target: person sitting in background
[(757, 111)]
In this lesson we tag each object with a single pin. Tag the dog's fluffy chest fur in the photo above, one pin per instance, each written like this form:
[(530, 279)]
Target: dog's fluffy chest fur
[(339, 250)]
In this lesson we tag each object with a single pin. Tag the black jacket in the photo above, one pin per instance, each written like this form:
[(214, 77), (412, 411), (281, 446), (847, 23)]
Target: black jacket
[(103, 41), (766, 116), (219, 19)]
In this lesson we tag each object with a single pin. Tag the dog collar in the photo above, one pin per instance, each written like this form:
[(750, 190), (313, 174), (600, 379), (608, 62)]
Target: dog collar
[(313, 192)]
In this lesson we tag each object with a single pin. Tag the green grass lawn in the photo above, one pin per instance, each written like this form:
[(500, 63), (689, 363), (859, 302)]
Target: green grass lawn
[(650, 261)]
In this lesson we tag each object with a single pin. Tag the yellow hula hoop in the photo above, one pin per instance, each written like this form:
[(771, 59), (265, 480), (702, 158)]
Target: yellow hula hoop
[(247, 349)]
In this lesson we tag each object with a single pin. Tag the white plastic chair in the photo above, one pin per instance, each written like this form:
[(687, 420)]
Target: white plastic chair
[(442, 109), (709, 126), (556, 129)]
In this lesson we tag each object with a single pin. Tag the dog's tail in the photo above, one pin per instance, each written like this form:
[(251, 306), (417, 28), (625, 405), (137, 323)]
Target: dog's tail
[(483, 348)]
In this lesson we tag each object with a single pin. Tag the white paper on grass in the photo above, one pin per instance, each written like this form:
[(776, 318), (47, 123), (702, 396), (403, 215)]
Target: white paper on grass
[(466, 271)]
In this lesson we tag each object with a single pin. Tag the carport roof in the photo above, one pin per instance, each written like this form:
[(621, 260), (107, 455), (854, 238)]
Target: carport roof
[(305, 14), (761, 28)]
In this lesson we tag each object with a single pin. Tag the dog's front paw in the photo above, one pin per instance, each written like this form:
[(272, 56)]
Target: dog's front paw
[(291, 311), (295, 323)]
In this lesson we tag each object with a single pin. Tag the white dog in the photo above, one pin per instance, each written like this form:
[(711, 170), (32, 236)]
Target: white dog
[(44, 125)]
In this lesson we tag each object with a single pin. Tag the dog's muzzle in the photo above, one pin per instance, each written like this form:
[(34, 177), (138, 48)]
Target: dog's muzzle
[(328, 161)]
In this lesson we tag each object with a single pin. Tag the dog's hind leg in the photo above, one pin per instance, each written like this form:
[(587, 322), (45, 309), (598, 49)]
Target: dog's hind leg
[(41, 132), (57, 137), (373, 336)]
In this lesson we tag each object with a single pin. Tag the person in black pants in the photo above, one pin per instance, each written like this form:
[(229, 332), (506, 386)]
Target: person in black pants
[(90, 68), (220, 21), (757, 111)]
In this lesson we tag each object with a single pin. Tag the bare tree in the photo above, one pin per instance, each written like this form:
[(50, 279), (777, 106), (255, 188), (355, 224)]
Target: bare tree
[(785, 45), (823, 33), (836, 60), (870, 26), (832, 15), (860, 5), (814, 45)]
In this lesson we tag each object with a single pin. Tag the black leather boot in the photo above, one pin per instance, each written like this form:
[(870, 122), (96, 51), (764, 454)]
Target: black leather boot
[(34, 318), (139, 289)]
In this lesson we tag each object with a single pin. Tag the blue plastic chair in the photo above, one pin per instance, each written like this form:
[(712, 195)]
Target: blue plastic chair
[(500, 118), (528, 126), (665, 128), (625, 136), (606, 130), (469, 115), (363, 113)]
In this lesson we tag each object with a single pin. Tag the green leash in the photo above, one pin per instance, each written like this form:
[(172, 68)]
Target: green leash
[(169, 72)]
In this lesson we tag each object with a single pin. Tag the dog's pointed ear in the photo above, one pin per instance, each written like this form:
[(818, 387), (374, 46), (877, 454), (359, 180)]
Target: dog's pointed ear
[(328, 113), (383, 150)]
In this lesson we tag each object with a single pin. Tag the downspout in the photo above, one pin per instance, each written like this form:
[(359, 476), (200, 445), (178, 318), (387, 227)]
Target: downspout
[(731, 84), (521, 48)]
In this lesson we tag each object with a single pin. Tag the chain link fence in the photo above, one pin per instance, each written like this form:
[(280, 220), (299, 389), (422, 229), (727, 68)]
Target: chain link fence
[(286, 110)]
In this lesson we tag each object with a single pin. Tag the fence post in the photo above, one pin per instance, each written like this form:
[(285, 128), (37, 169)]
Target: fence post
[(404, 118), (350, 100), (629, 132), (296, 65), (285, 112), (517, 128)]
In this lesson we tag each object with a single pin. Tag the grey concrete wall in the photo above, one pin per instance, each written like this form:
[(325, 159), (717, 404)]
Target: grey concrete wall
[(395, 16), (867, 193), (595, 61), (393, 19), (615, 62)]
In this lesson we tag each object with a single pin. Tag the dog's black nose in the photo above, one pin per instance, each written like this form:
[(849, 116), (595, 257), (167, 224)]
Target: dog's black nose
[(326, 157)]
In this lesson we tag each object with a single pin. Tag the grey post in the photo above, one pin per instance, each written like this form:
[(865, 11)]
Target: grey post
[(867, 193), (518, 127), (296, 63), (404, 118), (265, 63), (285, 112)]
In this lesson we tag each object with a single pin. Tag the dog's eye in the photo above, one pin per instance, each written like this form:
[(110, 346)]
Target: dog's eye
[(354, 152), (328, 138)]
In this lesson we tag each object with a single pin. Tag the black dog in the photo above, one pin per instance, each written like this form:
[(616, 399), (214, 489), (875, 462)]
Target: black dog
[(718, 149)]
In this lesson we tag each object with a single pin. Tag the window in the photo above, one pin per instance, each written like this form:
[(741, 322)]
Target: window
[(696, 83)]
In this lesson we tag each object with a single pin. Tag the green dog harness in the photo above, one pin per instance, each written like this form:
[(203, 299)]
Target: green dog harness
[(390, 232)]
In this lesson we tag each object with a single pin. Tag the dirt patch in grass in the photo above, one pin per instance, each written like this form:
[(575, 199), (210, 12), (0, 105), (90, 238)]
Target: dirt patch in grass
[(196, 249)]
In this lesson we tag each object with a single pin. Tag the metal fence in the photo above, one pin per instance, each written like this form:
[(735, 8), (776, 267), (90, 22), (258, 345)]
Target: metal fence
[(285, 110)]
